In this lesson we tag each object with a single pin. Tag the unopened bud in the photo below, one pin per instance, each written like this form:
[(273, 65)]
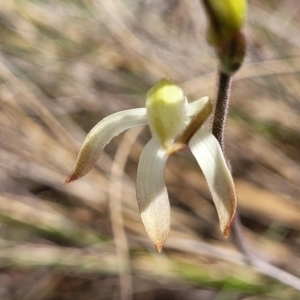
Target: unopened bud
[(226, 17)]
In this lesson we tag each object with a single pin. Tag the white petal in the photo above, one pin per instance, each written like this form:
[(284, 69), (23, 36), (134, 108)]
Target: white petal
[(152, 194), (197, 106), (209, 156), (101, 135)]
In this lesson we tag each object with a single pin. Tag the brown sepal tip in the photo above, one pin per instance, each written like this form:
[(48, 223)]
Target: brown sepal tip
[(159, 247), (70, 179), (226, 231)]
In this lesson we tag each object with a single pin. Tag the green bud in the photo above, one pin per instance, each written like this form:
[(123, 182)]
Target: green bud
[(225, 18), (166, 110)]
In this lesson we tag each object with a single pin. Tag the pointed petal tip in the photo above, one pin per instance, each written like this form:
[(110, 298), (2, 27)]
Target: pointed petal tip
[(227, 230), (71, 178), (159, 247), (159, 240), (68, 180)]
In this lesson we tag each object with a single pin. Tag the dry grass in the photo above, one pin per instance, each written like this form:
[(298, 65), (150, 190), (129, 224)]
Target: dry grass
[(64, 65)]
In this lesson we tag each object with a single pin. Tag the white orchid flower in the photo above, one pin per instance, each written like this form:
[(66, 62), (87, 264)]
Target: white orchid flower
[(169, 116)]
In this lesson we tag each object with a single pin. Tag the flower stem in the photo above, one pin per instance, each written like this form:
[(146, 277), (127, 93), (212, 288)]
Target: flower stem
[(221, 109), (218, 130), (238, 236)]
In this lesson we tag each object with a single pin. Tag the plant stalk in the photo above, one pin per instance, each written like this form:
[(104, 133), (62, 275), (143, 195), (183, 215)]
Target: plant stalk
[(218, 130), (238, 236)]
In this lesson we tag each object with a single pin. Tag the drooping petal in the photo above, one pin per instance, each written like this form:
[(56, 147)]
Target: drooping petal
[(209, 156), (101, 135), (152, 194)]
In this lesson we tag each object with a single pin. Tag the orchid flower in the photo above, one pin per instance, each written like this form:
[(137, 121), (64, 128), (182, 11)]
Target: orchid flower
[(168, 115)]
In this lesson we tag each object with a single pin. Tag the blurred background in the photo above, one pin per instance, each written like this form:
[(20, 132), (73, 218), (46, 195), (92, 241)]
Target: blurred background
[(64, 65)]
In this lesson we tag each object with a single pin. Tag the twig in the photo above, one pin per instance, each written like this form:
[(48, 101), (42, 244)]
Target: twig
[(218, 129)]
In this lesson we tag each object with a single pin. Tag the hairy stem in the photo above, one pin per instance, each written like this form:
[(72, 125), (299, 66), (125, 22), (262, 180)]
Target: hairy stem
[(238, 237), (218, 130), (221, 109)]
